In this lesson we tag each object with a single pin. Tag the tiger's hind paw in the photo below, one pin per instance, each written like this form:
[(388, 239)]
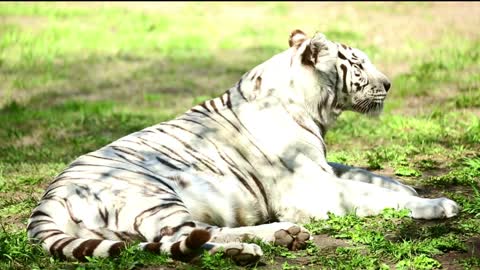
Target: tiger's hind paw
[(294, 238), (240, 253)]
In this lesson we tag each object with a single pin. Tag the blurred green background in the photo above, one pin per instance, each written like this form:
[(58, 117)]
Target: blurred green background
[(76, 76)]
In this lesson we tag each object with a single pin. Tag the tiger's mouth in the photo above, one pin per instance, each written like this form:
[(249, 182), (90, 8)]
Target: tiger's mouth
[(379, 98)]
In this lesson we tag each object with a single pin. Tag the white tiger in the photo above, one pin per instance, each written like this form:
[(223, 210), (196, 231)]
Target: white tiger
[(248, 164)]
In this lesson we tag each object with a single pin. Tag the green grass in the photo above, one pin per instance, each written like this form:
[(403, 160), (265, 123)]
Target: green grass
[(390, 238), (446, 65), (74, 78)]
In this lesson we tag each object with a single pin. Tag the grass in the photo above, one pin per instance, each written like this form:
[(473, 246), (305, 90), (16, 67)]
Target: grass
[(390, 239), (74, 78)]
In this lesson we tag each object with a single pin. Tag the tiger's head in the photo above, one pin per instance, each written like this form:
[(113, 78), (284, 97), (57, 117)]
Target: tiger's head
[(354, 82)]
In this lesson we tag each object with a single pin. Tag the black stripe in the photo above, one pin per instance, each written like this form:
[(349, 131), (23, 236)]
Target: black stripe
[(187, 146), (321, 127), (128, 151), (323, 131), (39, 213), (344, 69), (341, 56), (148, 130), (166, 163), (258, 83), (152, 211), (184, 224), (213, 169), (131, 162), (177, 253), (184, 162), (158, 208), (307, 129), (212, 103), (97, 233), (201, 137), (37, 222), (70, 212), (200, 112), (86, 249), (153, 247), (261, 188), (242, 155), (50, 235), (254, 177), (129, 237), (34, 236), (222, 98), (117, 213), (174, 213), (58, 251), (230, 122), (172, 199), (116, 248), (197, 238), (230, 162), (203, 105), (195, 134), (190, 120), (65, 171), (158, 238), (229, 101), (224, 157), (243, 181), (239, 89), (104, 215), (186, 130), (220, 153), (286, 165)]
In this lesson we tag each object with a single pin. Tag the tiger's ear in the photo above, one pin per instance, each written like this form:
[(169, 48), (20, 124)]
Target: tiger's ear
[(318, 46), (296, 37)]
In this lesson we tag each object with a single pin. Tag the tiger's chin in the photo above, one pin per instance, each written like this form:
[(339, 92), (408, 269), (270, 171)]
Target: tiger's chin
[(375, 109), (369, 108)]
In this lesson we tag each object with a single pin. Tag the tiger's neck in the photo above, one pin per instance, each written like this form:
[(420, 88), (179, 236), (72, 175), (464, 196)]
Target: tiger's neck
[(300, 90)]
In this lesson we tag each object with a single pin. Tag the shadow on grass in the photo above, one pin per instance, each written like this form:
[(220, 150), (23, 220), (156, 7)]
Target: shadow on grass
[(87, 103), (61, 132)]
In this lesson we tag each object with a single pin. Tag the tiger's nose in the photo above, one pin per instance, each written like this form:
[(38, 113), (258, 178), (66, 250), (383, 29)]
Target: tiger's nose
[(386, 85)]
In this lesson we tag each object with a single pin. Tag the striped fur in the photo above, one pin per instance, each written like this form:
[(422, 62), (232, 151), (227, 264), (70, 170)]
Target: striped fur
[(254, 155)]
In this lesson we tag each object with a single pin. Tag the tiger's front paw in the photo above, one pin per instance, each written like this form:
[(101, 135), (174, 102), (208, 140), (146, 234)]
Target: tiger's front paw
[(433, 208)]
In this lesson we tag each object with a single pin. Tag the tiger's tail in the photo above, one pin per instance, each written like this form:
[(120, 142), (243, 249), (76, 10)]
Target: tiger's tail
[(43, 229)]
